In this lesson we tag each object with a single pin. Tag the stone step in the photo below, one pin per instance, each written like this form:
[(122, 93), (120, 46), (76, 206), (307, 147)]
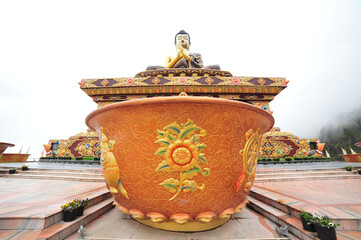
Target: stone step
[(65, 170), (291, 174), (66, 161), (61, 230), (304, 178), (281, 218), (294, 223), (277, 202), (6, 168), (53, 215), (55, 177), (263, 170), (63, 173)]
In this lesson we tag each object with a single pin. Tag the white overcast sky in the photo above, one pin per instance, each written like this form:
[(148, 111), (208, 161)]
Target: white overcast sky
[(47, 47)]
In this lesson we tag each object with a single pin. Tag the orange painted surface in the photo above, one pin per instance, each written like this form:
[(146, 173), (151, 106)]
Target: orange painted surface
[(47, 147), (133, 126), (4, 146), (13, 157), (352, 157)]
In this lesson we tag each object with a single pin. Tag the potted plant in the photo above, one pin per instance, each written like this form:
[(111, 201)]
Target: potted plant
[(348, 168), (24, 168), (359, 171), (82, 204), (12, 170), (70, 211), (307, 220), (325, 228)]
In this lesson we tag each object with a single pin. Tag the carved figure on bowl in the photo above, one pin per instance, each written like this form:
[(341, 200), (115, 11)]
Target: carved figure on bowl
[(183, 57), (110, 167)]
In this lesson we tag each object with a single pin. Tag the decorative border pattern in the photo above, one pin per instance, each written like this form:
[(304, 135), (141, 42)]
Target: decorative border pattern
[(80, 145), (171, 72), (276, 144), (200, 80)]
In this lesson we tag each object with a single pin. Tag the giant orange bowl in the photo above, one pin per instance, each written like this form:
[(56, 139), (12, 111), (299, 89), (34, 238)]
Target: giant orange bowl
[(180, 163)]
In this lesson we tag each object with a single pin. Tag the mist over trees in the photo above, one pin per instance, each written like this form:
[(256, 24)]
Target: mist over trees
[(344, 133)]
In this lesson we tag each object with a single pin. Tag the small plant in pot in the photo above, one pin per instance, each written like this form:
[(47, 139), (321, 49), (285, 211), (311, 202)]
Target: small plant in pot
[(348, 168), (70, 210), (326, 229), (24, 168), (307, 221), (12, 170), (82, 204)]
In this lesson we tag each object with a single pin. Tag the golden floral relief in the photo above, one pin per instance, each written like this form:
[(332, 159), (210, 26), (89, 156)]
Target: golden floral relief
[(181, 149)]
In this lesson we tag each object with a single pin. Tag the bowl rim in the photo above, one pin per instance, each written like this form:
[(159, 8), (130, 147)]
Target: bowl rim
[(179, 99)]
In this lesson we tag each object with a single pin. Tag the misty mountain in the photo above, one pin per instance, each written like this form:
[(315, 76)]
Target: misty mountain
[(343, 133)]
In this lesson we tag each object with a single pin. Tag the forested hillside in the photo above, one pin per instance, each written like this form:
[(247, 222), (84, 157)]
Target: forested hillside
[(345, 135)]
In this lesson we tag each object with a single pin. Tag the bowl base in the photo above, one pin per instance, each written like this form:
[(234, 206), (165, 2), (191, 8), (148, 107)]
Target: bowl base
[(186, 227)]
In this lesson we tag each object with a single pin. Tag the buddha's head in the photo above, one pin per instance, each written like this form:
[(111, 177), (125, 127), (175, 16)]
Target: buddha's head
[(183, 39)]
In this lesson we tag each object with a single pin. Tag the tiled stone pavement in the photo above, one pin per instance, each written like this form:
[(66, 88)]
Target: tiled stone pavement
[(29, 205), (38, 197)]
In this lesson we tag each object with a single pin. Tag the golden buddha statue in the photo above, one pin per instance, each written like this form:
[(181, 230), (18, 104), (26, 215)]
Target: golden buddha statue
[(183, 58)]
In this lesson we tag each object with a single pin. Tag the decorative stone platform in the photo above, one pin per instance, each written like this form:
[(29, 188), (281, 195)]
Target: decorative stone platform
[(29, 208)]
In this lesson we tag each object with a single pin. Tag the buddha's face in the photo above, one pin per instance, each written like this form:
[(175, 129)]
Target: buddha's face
[(182, 40)]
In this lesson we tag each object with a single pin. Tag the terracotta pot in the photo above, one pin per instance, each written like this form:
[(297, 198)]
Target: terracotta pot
[(175, 162)]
